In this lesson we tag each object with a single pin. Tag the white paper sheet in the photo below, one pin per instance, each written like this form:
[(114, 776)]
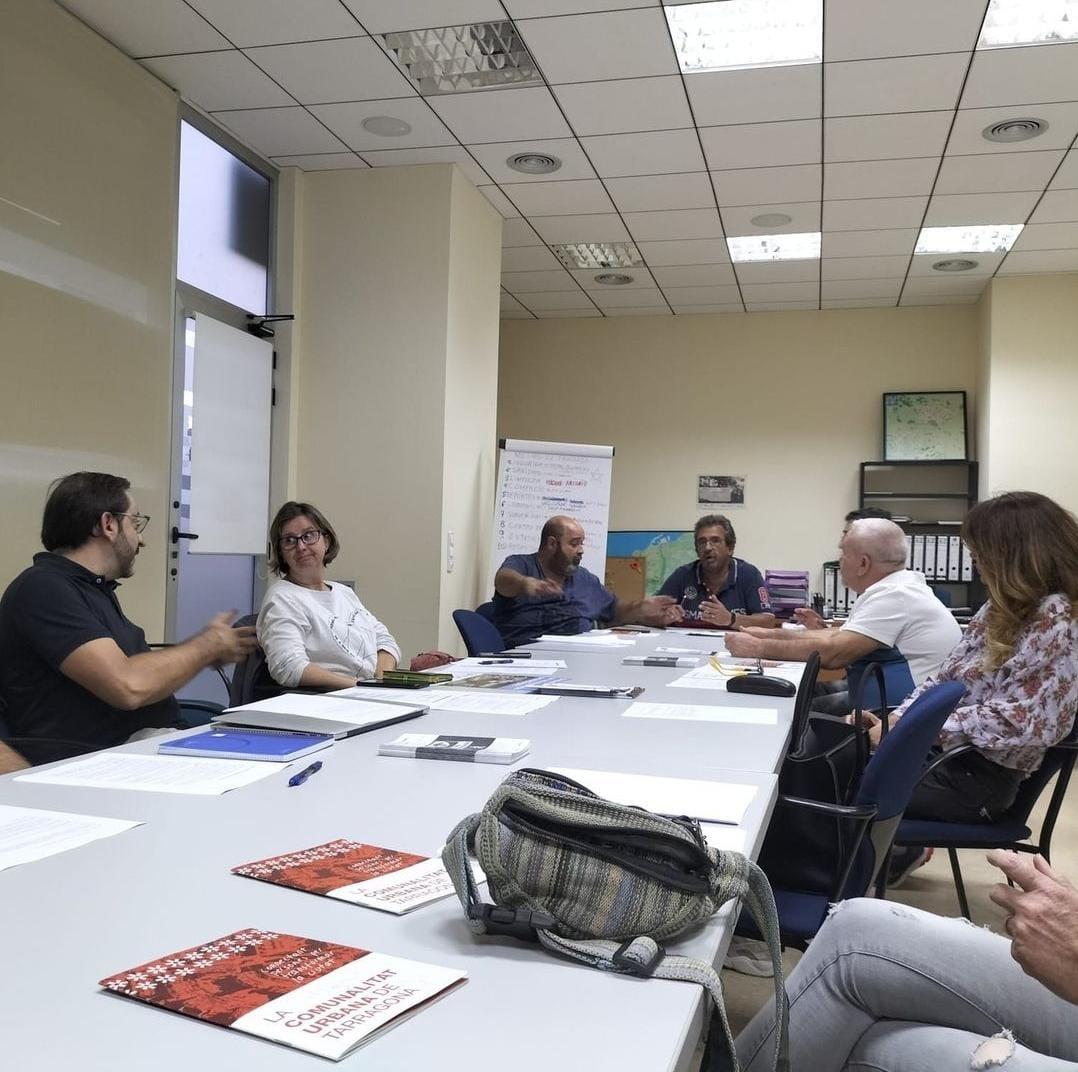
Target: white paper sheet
[(715, 802), (354, 705), (28, 834), (501, 666), (155, 774), (759, 716), (459, 698), (707, 677), (724, 837), (594, 639)]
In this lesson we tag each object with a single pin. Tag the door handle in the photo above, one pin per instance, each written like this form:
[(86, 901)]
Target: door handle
[(177, 535)]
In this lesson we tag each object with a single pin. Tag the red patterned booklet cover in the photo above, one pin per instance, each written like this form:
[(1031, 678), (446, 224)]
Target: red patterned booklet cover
[(316, 996), (362, 874)]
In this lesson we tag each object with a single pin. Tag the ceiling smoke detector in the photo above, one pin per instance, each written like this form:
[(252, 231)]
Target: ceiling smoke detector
[(613, 279), (534, 163), (771, 219), (1014, 130), (954, 264)]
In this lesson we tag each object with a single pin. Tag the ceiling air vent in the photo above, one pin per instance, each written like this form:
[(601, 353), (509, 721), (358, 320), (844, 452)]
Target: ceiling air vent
[(534, 163), (613, 279), (1015, 130), (954, 264)]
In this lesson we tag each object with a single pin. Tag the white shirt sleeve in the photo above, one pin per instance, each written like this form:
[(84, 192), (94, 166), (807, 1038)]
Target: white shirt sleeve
[(283, 627)]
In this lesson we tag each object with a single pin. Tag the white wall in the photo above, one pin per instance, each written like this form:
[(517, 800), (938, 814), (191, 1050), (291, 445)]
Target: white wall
[(792, 400), (396, 382), (1032, 426), (89, 144)]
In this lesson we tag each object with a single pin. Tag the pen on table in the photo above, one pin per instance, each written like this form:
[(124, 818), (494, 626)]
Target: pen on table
[(491, 662), (303, 775)]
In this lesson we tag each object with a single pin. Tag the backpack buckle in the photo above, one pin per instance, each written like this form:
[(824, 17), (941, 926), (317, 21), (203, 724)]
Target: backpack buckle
[(519, 923), (633, 964)]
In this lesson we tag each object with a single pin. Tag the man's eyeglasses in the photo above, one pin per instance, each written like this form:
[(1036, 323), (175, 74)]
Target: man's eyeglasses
[(308, 537), (140, 521)]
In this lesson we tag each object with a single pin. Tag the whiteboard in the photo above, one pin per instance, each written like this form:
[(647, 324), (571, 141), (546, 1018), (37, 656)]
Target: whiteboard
[(230, 440), (538, 480)]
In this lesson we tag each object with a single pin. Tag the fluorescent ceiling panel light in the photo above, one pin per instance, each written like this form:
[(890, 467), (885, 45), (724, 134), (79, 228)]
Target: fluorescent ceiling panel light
[(992, 238), (782, 247), (733, 34), (598, 255), (457, 59), (1009, 23)]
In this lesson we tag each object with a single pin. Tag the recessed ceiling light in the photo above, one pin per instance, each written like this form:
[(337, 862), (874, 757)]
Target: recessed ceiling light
[(954, 264), (1009, 23), (598, 255), (456, 59), (771, 219), (786, 247), (534, 163), (991, 238), (386, 126), (731, 34), (613, 279), (1014, 130)]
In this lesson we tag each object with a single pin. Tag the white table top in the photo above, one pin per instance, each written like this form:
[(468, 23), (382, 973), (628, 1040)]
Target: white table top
[(76, 917)]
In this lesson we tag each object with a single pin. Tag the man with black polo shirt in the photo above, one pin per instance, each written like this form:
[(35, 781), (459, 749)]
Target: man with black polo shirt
[(75, 674), (717, 589)]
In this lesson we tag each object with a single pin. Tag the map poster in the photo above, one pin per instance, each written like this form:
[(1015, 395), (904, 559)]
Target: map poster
[(661, 552), (921, 426)]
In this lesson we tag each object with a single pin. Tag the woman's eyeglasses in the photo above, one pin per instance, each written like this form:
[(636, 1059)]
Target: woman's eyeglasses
[(310, 536)]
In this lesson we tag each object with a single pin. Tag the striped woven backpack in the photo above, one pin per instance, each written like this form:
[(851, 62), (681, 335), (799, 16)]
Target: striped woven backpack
[(605, 883)]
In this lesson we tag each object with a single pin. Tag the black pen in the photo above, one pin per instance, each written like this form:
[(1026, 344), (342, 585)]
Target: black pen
[(299, 779), (491, 662)]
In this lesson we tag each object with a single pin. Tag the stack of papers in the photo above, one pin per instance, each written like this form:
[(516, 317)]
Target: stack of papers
[(154, 774), (481, 701), (597, 638), (707, 677)]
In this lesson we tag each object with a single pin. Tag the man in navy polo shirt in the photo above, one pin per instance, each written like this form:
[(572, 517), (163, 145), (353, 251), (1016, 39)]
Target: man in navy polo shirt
[(550, 592), (718, 589), (75, 674)]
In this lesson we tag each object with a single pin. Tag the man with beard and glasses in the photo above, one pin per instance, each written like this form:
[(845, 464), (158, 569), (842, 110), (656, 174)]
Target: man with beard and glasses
[(75, 674), (550, 592), (717, 589)]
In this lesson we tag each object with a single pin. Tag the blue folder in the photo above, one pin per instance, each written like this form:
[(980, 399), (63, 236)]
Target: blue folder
[(228, 742)]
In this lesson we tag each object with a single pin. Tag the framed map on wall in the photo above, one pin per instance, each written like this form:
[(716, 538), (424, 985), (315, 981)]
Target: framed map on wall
[(924, 426)]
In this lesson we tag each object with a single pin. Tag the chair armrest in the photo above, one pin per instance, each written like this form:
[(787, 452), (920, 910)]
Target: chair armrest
[(958, 750)]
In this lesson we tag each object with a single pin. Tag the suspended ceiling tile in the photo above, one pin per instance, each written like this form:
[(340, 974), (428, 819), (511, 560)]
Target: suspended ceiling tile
[(219, 80), (625, 105), (953, 210), (804, 216), (754, 272), (574, 164), (1045, 260), (601, 227), (860, 268), (905, 84), (346, 121), (150, 27), (775, 185), (280, 131), (870, 243), (694, 275), (886, 137), (874, 213), (446, 154), (1037, 236), (997, 172), (862, 288), (869, 29), (692, 251), (752, 145), (498, 199), (657, 152), (1032, 75), (674, 224), (529, 259), (755, 95), (381, 16), (540, 282), (967, 134), (879, 178), (571, 197), (274, 22), (501, 114), (647, 193), (1057, 206)]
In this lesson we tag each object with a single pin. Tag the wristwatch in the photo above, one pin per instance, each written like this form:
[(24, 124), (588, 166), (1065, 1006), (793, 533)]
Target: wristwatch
[(733, 620)]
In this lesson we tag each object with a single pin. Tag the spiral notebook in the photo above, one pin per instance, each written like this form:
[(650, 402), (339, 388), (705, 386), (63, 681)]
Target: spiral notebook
[(228, 742)]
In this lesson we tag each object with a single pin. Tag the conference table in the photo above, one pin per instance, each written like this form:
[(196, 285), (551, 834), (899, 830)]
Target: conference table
[(79, 916)]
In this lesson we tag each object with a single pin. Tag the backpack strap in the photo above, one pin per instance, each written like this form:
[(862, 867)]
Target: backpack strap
[(641, 956)]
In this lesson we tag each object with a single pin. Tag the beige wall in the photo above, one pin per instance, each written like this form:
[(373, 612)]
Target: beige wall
[(984, 391), (382, 332), (89, 140), (471, 400), (791, 400), (1032, 430)]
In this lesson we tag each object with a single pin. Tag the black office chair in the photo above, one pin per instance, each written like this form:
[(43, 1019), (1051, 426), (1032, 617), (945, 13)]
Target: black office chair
[(1011, 830), (251, 679)]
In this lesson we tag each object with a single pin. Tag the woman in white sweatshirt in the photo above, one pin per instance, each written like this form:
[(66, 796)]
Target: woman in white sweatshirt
[(316, 633)]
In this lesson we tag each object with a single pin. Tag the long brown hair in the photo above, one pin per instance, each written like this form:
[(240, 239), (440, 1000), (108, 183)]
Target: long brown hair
[(1026, 547)]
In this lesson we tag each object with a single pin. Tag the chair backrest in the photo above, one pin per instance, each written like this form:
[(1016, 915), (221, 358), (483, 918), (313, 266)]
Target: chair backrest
[(893, 772), (942, 594), (803, 701), (897, 679), (1057, 759), (478, 634), (250, 676)]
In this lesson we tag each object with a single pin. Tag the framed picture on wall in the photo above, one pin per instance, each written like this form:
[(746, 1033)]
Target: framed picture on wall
[(924, 426)]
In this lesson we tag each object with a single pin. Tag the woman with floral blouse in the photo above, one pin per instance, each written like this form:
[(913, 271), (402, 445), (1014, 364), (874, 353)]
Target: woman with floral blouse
[(1018, 659)]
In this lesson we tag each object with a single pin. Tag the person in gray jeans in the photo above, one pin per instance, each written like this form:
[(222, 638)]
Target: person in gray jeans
[(887, 987)]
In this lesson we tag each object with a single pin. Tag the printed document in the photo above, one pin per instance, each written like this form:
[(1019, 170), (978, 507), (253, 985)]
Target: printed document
[(28, 834), (479, 701), (707, 677), (155, 774), (759, 716), (713, 802)]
